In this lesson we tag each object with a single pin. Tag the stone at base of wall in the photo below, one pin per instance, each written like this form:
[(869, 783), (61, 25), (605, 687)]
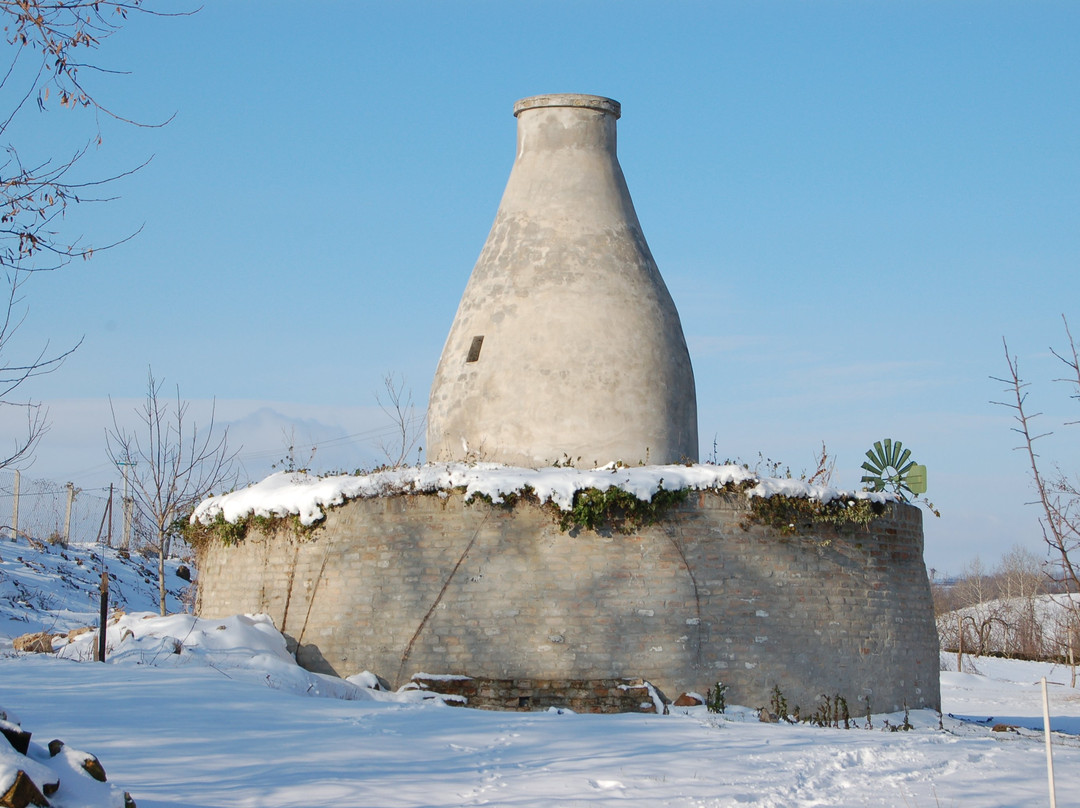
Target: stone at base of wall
[(628, 695)]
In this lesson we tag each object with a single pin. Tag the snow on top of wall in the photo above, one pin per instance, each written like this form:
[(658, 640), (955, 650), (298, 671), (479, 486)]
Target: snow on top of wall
[(297, 493)]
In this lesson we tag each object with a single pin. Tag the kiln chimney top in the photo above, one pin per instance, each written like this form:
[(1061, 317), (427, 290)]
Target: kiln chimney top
[(597, 102)]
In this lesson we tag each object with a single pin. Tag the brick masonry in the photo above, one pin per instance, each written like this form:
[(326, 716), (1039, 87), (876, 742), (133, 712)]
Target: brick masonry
[(522, 695), (425, 583)]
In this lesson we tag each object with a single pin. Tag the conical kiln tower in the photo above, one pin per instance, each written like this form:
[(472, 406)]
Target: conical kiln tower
[(566, 345)]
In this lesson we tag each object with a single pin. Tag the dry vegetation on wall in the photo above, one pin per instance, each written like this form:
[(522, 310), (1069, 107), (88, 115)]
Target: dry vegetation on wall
[(198, 535), (611, 509), (794, 514), (595, 509)]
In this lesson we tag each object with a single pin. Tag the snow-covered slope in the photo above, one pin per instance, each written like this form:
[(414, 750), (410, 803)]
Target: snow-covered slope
[(47, 587)]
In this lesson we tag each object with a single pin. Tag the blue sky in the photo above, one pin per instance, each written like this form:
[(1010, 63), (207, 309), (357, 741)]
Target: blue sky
[(851, 203)]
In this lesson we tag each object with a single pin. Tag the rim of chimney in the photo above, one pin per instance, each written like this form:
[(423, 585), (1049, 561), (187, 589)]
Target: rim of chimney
[(597, 102)]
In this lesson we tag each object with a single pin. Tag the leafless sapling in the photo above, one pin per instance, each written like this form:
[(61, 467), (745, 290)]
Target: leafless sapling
[(173, 464), (406, 426), (1057, 492)]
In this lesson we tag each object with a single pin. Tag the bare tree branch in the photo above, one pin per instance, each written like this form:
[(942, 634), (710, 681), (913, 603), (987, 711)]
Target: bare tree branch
[(173, 464), (1071, 361), (1057, 494), (396, 402), (46, 41)]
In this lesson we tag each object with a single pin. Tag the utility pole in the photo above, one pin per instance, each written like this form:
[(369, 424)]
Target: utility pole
[(103, 588), (125, 538), (67, 513)]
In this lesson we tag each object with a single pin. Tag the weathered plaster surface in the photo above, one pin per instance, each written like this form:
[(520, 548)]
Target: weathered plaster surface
[(582, 354)]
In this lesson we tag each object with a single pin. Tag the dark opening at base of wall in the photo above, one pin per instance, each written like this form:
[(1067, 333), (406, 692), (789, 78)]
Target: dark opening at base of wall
[(524, 695)]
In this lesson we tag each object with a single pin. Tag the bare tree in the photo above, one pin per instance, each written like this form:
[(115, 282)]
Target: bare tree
[(406, 426), (1021, 582), (290, 461), (47, 41), (1057, 493), (173, 464), (976, 596)]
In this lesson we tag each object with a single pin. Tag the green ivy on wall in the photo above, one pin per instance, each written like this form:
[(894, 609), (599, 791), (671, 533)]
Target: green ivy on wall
[(592, 509)]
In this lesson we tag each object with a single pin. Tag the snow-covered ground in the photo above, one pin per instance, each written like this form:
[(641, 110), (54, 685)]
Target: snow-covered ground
[(213, 713)]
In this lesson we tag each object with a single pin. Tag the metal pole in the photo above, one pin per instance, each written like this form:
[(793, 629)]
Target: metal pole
[(1049, 753), (104, 615), (67, 515), (15, 509)]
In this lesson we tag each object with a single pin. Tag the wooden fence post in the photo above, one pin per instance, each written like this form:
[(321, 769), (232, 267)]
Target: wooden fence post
[(104, 615), (67, 515), (104, 586)]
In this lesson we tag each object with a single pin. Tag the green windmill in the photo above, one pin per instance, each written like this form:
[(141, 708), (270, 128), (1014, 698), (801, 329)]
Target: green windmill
[(891, 469)]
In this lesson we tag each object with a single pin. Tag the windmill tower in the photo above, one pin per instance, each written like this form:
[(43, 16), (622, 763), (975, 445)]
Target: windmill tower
[(566, 344)]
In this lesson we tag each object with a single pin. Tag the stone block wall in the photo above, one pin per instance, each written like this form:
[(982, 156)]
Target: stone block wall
[(427, 583), (524, 695)]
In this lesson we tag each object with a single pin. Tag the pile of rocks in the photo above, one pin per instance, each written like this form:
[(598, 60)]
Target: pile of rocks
[(47, 642), (31, 774), (41, 642)]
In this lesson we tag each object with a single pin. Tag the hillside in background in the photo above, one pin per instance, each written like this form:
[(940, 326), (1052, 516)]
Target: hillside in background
[(49, 587)]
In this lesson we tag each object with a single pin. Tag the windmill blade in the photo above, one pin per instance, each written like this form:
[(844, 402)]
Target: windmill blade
[(903, 457), (916, 479), (875, 483), (891, 468)]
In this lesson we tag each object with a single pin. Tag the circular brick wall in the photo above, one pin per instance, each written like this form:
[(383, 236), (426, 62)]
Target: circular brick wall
[(427, 583)]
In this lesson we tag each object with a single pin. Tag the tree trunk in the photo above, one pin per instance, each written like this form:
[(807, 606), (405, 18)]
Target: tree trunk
[(162, 551)]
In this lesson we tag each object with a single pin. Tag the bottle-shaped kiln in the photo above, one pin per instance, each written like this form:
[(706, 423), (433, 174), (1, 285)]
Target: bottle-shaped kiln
[(566, 345)]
